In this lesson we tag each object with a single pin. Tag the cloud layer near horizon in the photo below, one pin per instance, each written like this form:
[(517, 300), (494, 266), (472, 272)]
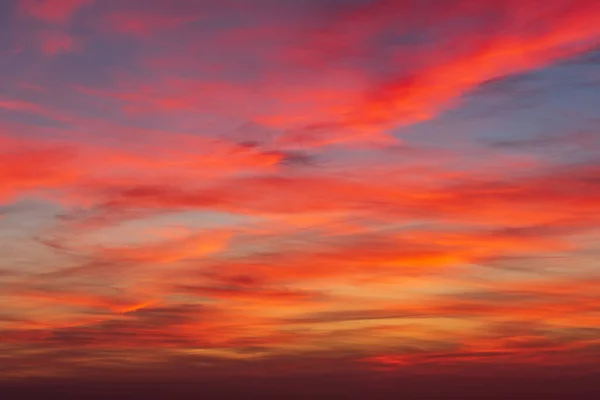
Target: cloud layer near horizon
[(268, 185)]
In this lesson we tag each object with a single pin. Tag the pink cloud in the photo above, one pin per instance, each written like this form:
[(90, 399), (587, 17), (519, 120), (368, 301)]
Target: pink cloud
[(142, 24), (56, 11), (56, 42)]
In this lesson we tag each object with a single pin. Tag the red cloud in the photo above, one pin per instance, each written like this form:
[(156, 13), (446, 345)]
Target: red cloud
[(25, 168)]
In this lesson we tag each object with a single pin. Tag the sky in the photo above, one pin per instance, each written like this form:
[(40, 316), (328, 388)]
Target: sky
[(244, 190)]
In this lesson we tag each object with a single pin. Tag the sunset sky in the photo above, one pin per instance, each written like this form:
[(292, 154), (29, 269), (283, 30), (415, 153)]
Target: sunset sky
[(268, 188)]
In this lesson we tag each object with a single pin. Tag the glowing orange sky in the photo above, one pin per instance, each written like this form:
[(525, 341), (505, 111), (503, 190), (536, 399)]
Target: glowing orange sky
[(358, 185)]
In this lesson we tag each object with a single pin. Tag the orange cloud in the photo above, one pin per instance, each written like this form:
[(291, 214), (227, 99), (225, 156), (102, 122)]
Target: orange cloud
[(114, 303), (293, 222), (194, 246)]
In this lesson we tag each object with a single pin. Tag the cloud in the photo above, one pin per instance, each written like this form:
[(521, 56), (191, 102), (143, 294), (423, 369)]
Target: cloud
[(21, 168), (55, 11), (17, 105), (57, 42), (259, 295), (194, 246), (141, 24), (76, 163), (110, 302), (278, 186), (510, 46)]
